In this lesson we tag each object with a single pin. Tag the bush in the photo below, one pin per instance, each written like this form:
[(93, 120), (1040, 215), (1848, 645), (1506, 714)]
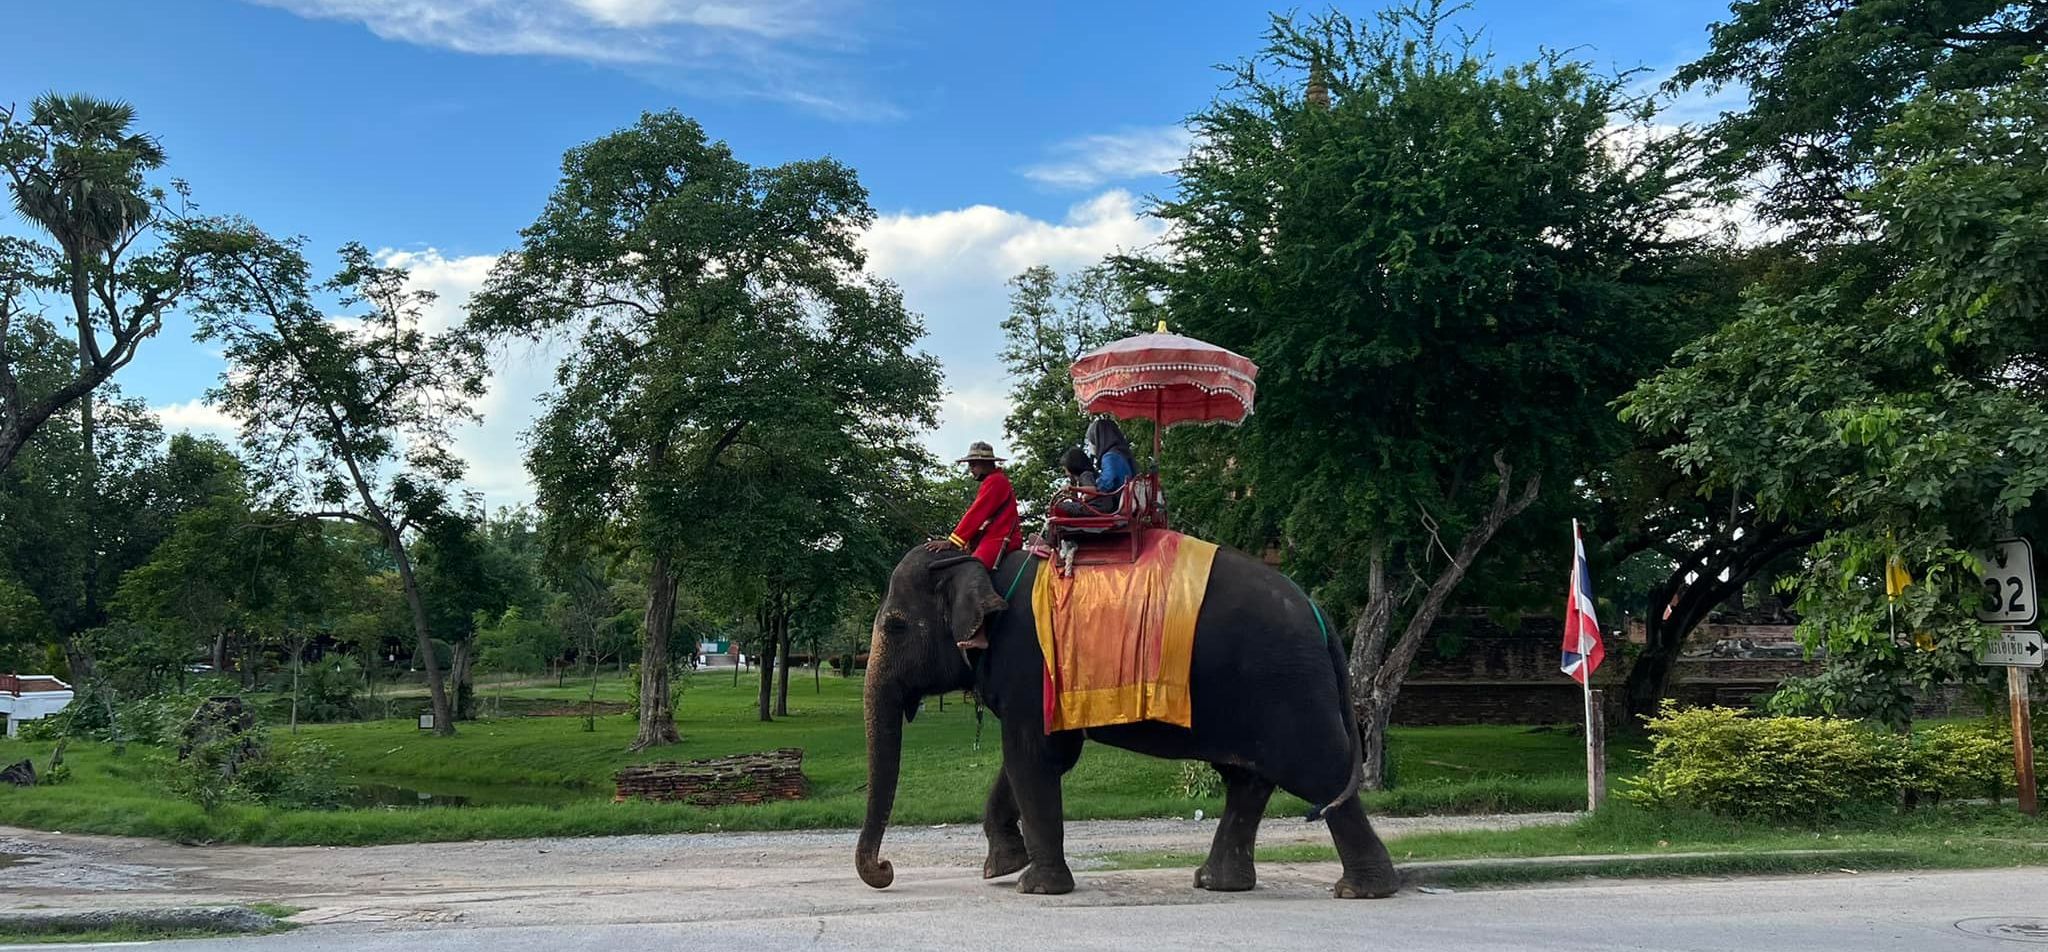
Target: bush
[(1959, 760), (248, 768), (1776, 768), (327, 691), (154, 720), (295, 775), (1198, 781)]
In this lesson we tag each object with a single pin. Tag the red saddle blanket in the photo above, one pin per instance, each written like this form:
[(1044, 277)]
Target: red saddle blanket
[(1119, 638)]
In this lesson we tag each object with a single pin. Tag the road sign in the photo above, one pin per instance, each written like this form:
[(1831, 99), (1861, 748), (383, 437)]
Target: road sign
[(2009, 584), (2014, 649)]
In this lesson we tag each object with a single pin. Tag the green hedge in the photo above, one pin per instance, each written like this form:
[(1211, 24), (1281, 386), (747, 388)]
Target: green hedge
[(1734, 764)]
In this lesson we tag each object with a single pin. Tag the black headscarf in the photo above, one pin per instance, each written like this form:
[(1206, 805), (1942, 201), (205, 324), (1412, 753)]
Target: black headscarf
[(1104, 436)]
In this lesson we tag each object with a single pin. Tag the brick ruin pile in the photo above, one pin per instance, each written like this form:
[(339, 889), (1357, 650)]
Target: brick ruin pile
[(746, 778)]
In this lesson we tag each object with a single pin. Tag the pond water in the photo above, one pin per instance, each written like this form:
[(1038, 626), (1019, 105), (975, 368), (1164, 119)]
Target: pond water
[(398, 795)]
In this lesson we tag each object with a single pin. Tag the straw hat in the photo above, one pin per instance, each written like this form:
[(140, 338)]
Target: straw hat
[(980, 452)]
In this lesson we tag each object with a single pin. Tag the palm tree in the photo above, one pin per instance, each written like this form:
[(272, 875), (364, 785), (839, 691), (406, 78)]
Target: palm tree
[(76, 168)]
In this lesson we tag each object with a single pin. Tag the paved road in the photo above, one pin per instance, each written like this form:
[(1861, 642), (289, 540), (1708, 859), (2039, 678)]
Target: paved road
[(1870, 913), (770, 891)]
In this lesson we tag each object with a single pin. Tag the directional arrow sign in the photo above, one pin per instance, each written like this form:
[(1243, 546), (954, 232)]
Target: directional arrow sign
[(2009, 584), (2014, 649)]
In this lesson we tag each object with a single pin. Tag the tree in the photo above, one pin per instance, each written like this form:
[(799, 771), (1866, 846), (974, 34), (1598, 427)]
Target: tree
[(1051, 323), (1902, 396), (1823, 76), (720, 309), (470, 568), (343, 419), (1445, 270), (75, 170), (55, 537), (200, 577), (514, 643)]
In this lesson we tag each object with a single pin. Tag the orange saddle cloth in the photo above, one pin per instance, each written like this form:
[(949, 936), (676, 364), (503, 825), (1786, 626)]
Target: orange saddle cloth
[(1119, 639)]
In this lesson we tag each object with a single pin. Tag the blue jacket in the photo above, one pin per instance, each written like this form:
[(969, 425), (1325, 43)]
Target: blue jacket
[(1116, 471)]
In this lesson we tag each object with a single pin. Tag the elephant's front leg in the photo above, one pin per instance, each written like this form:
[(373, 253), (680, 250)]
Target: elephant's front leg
[(1229, 867), (1034, 763), (1006, 850)]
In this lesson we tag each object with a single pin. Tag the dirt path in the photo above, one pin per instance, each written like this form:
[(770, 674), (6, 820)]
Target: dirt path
[(666, 878)]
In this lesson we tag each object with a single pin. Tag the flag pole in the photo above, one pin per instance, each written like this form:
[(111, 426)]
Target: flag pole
[(1596, 740)]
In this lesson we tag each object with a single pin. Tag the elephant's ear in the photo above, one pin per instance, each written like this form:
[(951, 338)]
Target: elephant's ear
[(968, 594)]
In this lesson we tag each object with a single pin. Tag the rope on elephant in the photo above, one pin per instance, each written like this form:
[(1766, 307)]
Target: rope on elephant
[(1313, 608)]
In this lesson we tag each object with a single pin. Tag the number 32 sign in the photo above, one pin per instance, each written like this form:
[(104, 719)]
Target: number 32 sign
[(2009, 584)]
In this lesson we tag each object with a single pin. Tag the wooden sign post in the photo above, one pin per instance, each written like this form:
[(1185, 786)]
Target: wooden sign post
[(2022, 739), (2011, 601)]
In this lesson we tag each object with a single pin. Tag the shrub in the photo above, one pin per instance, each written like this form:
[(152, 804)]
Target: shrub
[(295, 774), (1959, 760), (248, 768), (327, 691), (1777, 768), (1198, 781)]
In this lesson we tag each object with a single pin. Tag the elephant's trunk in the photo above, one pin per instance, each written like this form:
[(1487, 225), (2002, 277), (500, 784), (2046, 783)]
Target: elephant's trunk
[(884, 710)]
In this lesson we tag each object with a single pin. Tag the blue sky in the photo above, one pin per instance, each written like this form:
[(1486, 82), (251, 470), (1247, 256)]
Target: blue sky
[(991, 137)]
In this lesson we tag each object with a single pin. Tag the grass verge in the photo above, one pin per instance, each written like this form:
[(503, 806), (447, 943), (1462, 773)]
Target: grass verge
[(1658, 843), (548, 776), (145, 925)]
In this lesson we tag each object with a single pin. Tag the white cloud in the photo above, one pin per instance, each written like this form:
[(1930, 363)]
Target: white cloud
[(783, 50), (954, 267), (1091, 161), (197, 416)]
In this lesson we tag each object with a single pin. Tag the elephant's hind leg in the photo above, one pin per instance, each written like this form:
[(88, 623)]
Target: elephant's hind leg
[(1229, 867), (1368, 870), (1006, 852)]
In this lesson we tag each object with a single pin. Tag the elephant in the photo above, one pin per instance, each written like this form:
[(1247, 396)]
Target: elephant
[(1271, 708)]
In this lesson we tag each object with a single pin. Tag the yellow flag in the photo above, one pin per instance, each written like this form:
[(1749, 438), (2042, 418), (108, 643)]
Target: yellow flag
[(1895, 577)]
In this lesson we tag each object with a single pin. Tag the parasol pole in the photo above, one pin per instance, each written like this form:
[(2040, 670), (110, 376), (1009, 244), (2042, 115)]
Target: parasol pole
[(1158, 417)]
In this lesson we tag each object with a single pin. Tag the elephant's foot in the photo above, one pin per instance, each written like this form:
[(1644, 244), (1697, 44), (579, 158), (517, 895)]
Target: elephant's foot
[(1378, 883), (1044, 880), (1225, 877), (1004, 858)]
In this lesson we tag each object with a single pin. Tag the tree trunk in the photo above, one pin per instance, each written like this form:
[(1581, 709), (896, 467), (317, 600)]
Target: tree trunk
[(298, 651), (769, 641), (78, 656), (1376, 670), (459, 673), (444, 721), (89, 485), (590, 703), (657, 712), (782, 666)]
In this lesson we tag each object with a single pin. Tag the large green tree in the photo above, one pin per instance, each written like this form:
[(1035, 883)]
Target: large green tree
[(1821, 77), (722, 318), (1901, 394), (1052, 322), (343, 418), (1445, 268)]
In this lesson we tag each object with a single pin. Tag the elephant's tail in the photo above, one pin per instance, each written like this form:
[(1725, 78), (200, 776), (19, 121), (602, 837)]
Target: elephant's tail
[(1350, 727)]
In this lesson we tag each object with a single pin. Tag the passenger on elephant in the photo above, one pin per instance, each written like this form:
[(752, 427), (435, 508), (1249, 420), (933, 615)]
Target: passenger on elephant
[(1105, 441), (990, 527), (1081, 474)]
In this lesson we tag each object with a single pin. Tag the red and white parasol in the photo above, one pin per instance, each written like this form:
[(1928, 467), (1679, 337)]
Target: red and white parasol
[(1168, 379)]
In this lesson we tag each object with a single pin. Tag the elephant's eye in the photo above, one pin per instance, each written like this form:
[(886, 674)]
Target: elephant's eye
[(894, 624)]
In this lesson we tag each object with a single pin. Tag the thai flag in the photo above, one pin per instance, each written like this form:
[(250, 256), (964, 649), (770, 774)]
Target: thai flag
[(1582, 649)]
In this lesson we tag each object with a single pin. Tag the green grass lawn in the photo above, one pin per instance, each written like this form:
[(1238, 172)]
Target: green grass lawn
[(1960, 836), (537, 776)]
